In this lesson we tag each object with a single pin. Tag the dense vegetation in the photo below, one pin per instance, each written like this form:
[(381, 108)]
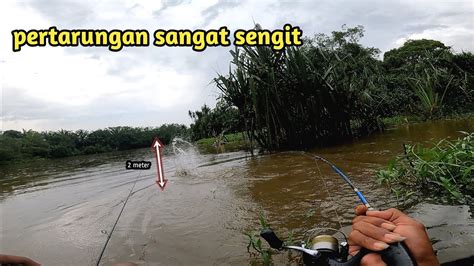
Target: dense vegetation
[(425, 78), (16, 145), (445, 170), (225, 143), (329, 89), (334, 88), (208, 122)]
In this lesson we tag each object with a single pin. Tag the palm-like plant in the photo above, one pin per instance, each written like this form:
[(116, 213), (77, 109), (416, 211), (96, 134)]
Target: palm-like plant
[(301, 97), (430, 89)]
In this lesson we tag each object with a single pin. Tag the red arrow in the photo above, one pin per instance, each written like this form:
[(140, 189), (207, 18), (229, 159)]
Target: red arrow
[(157, 146)]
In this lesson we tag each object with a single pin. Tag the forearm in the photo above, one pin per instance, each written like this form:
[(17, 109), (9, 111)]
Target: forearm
[(10, 259)]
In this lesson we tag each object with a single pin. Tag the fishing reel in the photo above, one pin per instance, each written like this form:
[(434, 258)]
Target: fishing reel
[(326, 250)]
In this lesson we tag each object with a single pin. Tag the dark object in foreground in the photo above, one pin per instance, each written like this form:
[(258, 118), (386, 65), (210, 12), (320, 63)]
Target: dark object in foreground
[(327, 251), (469, 261)]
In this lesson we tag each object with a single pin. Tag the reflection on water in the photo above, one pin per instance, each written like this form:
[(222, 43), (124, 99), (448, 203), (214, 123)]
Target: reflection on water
[(56, 211)]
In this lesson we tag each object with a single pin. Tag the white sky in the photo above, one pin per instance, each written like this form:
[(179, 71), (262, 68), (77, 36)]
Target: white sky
[(52, 88)]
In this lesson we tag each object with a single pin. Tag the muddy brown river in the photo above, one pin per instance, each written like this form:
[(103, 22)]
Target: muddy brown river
[(59, 212)]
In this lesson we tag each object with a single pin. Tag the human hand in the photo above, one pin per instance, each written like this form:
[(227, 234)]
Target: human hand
[(17, 260), (376, 229)]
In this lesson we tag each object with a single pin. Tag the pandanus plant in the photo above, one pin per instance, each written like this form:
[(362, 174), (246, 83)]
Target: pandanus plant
[(302, 96), (430, 89)]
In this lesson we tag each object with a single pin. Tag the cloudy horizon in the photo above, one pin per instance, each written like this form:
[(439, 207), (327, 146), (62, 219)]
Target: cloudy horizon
[(50, 88)]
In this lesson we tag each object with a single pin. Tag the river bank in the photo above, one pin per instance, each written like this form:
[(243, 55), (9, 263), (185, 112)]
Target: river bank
[(239, 141), (411, 119)]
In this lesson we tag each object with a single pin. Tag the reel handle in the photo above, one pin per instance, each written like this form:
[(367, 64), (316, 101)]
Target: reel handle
[(271, 238)]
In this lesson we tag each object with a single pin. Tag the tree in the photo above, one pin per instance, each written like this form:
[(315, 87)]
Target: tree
[(465, 62), (212, 122), (10, 148), (13, 134), (424, 77), (34, 144), (62, 143), (416, 52)]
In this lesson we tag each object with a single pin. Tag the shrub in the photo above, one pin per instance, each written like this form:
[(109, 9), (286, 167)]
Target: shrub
[(444, 172)]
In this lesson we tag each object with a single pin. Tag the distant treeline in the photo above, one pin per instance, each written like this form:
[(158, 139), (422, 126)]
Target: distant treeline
[(334, 88), (16, 145)]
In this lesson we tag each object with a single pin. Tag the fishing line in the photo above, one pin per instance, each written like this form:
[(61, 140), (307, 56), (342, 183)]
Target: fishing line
[(138, 190), (327, 190), (343, 176), (346, 178), (116, 221), (145, 187)]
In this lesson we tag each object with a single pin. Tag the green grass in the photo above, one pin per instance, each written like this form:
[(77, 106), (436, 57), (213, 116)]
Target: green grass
[(400, 120), (260, 252), (234, 142), (255, 245), (409, 119), (444, 172)]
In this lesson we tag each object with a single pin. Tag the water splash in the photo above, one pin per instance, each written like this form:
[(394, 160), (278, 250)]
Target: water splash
[(186, 157)]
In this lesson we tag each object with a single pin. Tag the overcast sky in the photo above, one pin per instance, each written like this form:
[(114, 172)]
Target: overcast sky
[(70, 88)]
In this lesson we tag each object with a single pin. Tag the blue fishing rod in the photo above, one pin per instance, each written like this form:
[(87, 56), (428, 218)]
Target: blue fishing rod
[(325, 250), (346, 178)]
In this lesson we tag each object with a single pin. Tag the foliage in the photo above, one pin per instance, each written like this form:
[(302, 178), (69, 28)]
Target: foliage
[(414, 53), (16, 145), (256, 243), (445, 170), (334, 88), (461, 98), (307, 96), (464, 61), (229, 142), (213, 122), (430, 89), (256, 247), (423, 77)]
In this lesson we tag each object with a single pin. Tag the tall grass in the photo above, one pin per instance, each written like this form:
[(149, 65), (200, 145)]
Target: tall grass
[(303, 97), (430, 88), (444, 172)]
